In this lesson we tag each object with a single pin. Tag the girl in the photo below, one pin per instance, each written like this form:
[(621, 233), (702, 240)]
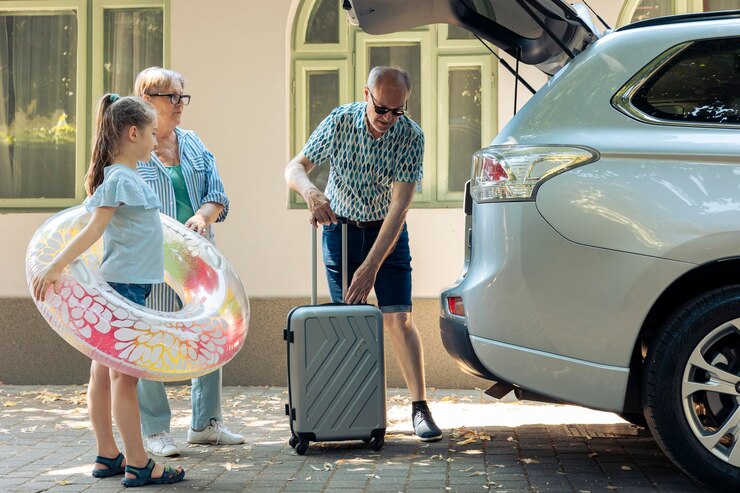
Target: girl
[(126, 212)]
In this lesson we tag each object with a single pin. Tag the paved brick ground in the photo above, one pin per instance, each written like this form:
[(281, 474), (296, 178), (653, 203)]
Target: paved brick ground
[(46, 445)]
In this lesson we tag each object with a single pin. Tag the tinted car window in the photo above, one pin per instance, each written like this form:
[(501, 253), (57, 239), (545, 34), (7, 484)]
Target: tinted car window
[(700, 84)]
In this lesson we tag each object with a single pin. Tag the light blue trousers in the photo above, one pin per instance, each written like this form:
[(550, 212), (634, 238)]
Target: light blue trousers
[(154, 407)]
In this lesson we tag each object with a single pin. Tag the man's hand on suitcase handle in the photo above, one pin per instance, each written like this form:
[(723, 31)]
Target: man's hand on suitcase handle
[(320, 208), (362, 282)]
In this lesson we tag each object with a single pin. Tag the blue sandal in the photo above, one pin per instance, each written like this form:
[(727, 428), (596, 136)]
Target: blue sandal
[(114, 466), (144, 475)]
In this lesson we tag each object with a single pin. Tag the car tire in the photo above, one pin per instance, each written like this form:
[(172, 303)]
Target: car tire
[(690, 389)]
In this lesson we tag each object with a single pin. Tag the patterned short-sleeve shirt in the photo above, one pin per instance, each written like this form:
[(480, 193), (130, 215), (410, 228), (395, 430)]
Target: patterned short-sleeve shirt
[(363, 168)]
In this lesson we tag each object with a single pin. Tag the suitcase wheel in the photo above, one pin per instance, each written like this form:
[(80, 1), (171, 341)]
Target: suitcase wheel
[(301, 448), (377, 443), (293, 441)]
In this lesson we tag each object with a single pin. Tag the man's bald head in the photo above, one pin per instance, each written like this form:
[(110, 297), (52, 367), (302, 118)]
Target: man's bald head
[(388, 76)]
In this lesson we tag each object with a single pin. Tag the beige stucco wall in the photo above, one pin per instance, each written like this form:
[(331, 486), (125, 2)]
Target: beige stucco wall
[(235, 56)]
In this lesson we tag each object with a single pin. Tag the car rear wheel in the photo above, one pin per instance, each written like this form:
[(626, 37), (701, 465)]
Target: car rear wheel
[(691, 389)]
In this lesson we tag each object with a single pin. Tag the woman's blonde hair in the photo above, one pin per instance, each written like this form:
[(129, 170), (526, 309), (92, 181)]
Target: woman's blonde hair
[(156, 79)]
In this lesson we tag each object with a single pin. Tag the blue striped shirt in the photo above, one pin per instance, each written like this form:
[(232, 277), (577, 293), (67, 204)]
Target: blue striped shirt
[(203, 185)]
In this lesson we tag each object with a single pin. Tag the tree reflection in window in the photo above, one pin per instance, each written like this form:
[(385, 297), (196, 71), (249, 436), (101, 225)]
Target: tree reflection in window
[(38, 91), (323, 23)]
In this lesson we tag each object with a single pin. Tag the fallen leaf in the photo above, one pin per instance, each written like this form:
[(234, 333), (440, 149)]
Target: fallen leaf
[(467, 442), (477, 473), (63, 482), (466, 470), (511, 439), (626, 468), (315, 468), (593, 454), (47, 397), (9, 403), (308, 478), (328, 466), (530, 461)]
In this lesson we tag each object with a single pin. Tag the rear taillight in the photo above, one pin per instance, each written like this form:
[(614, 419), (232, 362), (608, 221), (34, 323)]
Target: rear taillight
[(513, 172), (456, 306)]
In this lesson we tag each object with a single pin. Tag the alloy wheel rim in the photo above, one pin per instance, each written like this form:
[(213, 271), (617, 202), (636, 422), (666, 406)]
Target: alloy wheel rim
[(709, 392)]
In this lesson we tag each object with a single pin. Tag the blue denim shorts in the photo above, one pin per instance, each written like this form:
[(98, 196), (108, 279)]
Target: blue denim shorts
[(131, 291), (393, 282)]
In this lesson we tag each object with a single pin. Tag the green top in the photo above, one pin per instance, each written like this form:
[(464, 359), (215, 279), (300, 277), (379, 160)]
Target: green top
[(182, 199)]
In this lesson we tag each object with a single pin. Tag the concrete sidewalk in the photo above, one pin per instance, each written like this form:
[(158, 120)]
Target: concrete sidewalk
[(46, 445)]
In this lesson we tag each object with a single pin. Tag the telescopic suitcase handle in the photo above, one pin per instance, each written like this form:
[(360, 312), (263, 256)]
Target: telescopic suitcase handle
[(313, 261)]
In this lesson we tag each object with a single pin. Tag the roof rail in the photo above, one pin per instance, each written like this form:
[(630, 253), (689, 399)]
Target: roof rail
[(675, 19)]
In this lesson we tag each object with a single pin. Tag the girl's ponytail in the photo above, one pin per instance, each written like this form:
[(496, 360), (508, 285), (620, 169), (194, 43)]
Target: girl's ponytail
[(104, 137), (113, 116)]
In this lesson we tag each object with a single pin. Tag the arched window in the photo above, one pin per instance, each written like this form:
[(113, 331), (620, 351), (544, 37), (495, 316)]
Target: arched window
[(453, 97), (638, 10)]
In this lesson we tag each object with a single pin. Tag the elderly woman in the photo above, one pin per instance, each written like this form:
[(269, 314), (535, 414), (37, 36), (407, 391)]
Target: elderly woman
[(183, 173)]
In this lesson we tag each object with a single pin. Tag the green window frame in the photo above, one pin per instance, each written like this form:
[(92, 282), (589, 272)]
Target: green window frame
[(438, 54), (89, 80), (99, 8)]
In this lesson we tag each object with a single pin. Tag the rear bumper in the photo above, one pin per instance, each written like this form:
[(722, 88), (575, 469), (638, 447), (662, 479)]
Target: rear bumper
[(548, 315), (456, 340)]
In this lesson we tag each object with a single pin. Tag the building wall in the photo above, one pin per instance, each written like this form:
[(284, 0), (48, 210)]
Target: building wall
[(235, 56)]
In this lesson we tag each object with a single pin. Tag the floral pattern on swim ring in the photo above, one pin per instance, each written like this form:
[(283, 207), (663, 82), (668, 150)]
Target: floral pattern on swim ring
[(205, 334)]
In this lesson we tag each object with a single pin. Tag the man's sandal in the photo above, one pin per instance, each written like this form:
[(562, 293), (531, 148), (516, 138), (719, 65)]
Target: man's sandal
[(144, 475), (114, 466)]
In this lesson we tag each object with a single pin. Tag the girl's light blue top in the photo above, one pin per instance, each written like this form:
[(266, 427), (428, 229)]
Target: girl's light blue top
[(133, 246)]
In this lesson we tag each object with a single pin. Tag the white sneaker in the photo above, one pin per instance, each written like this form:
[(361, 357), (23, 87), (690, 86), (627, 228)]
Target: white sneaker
[(161, 444), (215, 434)]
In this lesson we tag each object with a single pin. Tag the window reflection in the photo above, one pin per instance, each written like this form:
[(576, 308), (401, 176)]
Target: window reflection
[(134, 40), (464, 123), (38, 113), (323, 23)]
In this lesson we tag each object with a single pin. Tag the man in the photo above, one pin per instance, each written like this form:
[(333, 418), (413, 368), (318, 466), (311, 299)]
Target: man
[(375, 153)]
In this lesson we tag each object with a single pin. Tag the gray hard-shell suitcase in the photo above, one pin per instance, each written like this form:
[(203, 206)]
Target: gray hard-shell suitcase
[(336, 369)]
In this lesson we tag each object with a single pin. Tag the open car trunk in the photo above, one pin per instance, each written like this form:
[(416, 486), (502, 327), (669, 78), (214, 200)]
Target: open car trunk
[(544, 33)]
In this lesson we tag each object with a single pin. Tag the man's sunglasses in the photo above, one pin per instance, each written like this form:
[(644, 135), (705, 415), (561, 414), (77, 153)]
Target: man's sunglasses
[(175, 98), (382, 110)]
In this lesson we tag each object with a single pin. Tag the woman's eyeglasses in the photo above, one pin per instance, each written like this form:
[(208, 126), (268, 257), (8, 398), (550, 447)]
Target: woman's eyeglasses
[(382, 110), (176, 99)]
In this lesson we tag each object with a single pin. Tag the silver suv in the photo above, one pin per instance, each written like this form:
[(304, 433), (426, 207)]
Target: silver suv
[(603, 260)]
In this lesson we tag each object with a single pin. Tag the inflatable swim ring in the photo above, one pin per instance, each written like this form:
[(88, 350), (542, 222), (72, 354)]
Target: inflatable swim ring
[(205, 334)]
